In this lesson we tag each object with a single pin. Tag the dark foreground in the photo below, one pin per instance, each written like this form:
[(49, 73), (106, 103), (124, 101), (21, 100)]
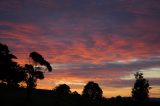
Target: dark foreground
[(18, 97)]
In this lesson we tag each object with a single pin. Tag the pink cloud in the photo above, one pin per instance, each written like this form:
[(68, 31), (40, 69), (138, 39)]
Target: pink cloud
[(103, 38)]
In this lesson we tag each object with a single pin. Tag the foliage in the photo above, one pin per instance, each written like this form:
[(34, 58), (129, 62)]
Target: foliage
[(11, 73), (37, 58), (32, 76), (140, 91), (63, 89), (35, 73), (92, 91)]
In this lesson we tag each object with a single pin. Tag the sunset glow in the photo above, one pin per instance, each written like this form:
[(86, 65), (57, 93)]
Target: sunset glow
[(105, 41)]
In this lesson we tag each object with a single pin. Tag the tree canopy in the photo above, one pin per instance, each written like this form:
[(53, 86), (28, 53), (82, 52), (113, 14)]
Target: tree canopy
[(92, 91), (35, 72), (63, 89), (11, 73), (140, 91)]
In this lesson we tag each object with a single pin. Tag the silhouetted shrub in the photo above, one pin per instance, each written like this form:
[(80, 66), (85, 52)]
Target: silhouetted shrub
[(92, 91), (63, 89)]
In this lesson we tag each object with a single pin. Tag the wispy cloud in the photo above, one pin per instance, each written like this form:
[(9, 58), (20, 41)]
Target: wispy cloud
[(84, 39)]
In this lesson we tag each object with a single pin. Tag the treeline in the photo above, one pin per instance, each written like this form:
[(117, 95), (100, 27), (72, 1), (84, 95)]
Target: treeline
[(91, 90)]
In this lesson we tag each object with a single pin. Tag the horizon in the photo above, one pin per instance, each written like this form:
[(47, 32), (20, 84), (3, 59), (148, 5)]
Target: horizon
[(102, 41)]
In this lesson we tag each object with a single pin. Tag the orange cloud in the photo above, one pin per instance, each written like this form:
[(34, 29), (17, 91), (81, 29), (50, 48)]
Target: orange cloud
[(100, 41)]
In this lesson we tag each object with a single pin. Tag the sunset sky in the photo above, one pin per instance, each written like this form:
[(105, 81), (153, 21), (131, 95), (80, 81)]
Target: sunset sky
[(105, 41)]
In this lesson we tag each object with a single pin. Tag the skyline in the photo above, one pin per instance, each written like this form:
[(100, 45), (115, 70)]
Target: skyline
[(89, 40)]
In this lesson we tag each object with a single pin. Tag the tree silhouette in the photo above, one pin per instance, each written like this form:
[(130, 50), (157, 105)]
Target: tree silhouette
[(75, 93), (32, 76), (38, 59), (140, 91), (92, 91), (34, 72), (10, 72), (63, 89)]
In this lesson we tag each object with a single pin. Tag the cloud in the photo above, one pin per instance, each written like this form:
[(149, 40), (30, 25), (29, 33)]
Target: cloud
[(84, 39), (116, 74)]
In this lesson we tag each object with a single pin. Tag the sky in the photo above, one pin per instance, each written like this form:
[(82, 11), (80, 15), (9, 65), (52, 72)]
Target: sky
[(105, 41)]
